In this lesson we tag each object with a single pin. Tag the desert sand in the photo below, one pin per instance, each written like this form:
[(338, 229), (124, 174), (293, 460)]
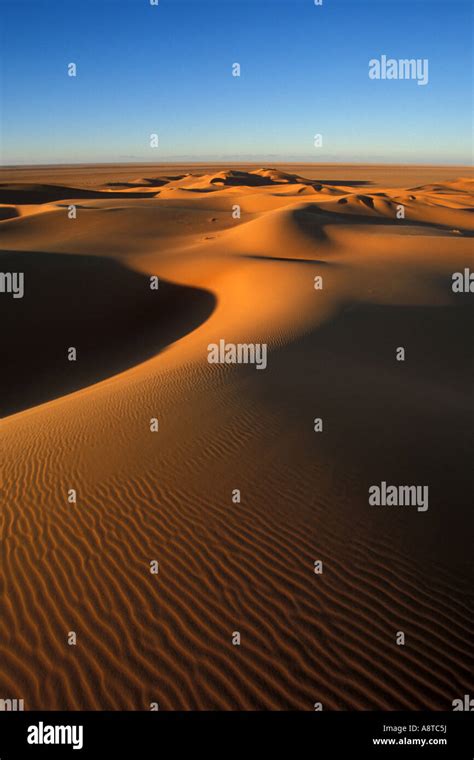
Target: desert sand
[(166, 496)]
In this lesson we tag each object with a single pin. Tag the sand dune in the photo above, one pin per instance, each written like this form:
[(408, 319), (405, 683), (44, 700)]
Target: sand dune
[(167, 496)]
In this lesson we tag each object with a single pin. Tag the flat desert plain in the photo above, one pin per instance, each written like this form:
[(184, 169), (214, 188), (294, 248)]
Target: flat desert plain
[(135, 554)]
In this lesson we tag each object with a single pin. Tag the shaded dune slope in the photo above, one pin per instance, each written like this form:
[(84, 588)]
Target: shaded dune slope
[(106, 311)]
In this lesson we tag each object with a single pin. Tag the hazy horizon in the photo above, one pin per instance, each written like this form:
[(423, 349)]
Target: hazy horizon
[(253, 160)]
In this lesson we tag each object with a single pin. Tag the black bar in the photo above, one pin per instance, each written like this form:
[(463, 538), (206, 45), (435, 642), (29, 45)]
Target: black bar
[(312, 735)]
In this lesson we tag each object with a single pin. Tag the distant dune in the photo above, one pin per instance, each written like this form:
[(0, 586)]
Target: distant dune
[(237, 251)]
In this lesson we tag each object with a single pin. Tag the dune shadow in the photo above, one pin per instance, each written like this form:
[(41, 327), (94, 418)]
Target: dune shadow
[(36, 194), (244, 178), (399, 421), (287, 259), (98, 306), (346, 182), (145, 182), (311, 217), (8, 212)]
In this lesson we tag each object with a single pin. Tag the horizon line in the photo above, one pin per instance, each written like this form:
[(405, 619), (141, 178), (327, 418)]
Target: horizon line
[(202, 162)]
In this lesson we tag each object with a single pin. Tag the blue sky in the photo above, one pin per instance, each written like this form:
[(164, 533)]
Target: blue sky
[(168, 70)]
